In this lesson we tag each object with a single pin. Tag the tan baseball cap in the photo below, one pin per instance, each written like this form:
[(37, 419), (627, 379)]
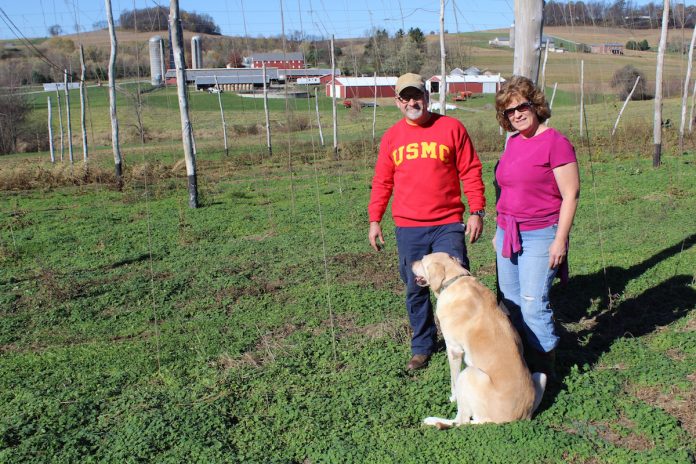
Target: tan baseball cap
[(410, 80)]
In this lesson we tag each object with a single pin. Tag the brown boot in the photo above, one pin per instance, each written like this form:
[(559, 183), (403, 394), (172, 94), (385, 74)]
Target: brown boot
[(418, 361)]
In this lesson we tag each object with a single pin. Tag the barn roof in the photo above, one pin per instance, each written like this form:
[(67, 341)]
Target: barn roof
[(291, 56), (366, 81), (247, 79)]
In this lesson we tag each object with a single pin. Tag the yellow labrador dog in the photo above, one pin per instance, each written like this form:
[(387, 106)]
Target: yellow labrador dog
[(496, 385)]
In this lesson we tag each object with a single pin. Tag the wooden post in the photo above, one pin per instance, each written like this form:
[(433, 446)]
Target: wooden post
[(186, 130), (112, 96), (333, 100), (529, 20), (374, 111), (582, 96), (691, 114), (222, 115), (60, 124), (67, 114), (82, 103), (553, 95), (657, 121), (265, 110), (50, 131), (162, 65), (616, 124), (543, 67), (685, 96), (443, 66), (316, 105)]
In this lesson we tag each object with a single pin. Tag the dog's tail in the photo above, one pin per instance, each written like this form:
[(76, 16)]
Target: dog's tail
[(539, 379)]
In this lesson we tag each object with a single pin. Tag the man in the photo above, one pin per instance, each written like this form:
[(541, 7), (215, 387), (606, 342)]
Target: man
[(422, 159)]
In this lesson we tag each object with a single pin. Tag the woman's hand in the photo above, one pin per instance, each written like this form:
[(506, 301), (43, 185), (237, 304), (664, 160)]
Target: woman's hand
[(557, 253)]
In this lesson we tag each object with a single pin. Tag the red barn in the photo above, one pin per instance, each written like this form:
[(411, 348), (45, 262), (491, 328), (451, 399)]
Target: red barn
[(362, 87), (294, 60)]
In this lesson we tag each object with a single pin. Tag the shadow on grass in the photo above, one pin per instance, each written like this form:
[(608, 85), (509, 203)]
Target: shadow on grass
[(614, 317)]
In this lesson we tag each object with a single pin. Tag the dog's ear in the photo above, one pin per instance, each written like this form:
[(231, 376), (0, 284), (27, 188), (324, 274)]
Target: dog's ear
[(436, 276)]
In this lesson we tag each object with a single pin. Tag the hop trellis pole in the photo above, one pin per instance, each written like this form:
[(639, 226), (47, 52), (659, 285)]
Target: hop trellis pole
[(685, 95), (529, 15), (222, 116), (333, 100), (50, 131), (67, 114), (186, 129), (82, 103), (267, 115), (112, 95), (628, 98), (60, 124), (657, 121), (443, 66)]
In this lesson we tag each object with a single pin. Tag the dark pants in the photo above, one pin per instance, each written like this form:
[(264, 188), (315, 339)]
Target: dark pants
[(413, 244)]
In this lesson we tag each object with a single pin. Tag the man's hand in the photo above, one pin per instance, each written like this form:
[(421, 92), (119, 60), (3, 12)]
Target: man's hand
[(474, 227), (374, 234)]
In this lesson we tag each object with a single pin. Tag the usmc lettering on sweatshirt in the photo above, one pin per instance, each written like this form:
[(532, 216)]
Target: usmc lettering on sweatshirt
[(431, 150)]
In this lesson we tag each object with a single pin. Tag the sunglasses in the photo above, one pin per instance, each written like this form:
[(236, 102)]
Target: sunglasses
[(408, 98), (522, 107)]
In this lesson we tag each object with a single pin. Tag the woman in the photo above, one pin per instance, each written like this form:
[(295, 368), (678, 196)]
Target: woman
[(539, 191)]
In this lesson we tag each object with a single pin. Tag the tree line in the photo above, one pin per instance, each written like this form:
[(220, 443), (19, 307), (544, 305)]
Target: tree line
[(157, 19), (619, 13)]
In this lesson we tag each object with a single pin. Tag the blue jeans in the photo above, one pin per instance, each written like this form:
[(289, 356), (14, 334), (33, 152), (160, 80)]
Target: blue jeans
[(414, 243), (524, 280)]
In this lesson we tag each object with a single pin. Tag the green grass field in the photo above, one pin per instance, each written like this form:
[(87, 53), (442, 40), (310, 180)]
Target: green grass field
[(261, 327)]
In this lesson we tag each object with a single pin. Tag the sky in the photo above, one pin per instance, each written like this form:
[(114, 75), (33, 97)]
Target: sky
[(254, 18)]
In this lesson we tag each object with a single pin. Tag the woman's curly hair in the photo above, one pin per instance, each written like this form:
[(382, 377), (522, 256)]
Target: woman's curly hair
[(524, 89)]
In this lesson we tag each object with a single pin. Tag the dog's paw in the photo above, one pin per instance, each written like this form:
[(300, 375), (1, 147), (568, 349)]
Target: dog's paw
[(438, 422), (453, 398)]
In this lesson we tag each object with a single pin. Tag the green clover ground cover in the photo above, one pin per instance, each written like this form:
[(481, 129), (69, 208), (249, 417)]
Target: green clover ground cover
[(261, 328)]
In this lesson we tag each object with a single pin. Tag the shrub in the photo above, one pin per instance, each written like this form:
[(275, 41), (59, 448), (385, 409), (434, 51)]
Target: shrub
[(14, 112), (625, 78)]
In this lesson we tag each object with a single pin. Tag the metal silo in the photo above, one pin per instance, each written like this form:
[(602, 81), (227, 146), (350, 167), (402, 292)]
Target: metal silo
[(196, 57), (155, 47)]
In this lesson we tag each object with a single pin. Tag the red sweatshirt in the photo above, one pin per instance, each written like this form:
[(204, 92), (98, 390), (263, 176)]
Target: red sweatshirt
[(422, 166)]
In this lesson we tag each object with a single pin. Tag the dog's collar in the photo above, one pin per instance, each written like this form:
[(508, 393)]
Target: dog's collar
[(451, 281)]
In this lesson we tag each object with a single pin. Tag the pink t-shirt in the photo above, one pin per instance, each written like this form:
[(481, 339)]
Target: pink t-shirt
[(529, 192)]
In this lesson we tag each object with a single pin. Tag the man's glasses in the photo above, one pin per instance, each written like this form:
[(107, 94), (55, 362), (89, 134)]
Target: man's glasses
[(522, 107), (408, 98)]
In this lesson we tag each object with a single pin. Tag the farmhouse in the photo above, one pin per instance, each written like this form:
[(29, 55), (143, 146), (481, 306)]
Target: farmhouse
[(293, 60), (466, 83), (608, 48), (362, 87)]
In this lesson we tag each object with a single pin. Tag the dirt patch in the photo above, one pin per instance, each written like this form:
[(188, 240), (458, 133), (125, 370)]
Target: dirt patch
[(632, 441), (264, 350), (394, 329), (379, 270), (677, 403), (259, 288)]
